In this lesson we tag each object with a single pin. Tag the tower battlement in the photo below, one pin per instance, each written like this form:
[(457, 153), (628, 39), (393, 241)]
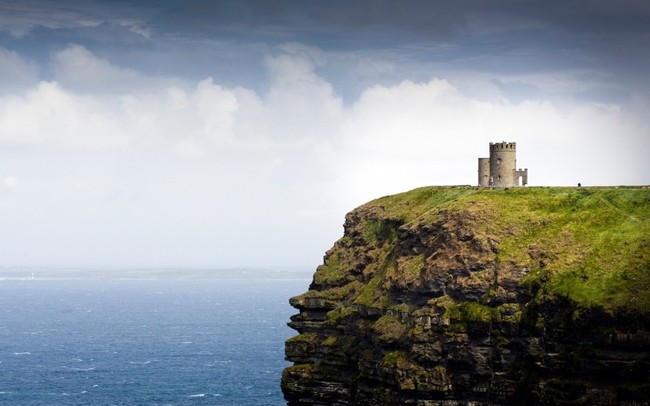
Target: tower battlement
[(500, 169), (496, 146)]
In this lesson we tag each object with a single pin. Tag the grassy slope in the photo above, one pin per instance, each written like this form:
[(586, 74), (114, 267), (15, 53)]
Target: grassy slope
[(591, 245)]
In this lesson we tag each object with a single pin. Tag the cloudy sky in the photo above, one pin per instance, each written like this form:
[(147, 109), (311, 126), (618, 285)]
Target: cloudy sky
[(204, 133)]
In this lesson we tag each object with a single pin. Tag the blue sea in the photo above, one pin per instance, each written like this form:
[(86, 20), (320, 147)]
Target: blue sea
[(156, 338)]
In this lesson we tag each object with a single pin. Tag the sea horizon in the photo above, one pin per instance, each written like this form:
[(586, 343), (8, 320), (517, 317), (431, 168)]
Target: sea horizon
[(145, 336), (152, 273)]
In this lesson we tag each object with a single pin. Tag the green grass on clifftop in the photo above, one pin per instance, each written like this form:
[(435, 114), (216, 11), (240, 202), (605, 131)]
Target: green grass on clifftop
[(590, 245)]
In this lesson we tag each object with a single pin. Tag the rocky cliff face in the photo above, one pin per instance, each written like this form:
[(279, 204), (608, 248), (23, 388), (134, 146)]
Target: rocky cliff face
[(457, 296)]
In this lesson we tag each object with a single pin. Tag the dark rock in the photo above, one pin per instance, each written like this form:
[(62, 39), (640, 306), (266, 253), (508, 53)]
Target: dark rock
[(455, 305)]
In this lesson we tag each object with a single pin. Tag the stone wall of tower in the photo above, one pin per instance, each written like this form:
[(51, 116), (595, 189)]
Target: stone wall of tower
[(484, 171), (523, 175), (503, 164)]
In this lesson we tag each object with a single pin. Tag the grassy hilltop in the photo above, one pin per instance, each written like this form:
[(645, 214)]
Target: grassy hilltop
[(591, 245)]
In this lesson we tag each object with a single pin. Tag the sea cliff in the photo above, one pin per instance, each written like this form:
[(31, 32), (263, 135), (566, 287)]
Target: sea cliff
[(462, 295)]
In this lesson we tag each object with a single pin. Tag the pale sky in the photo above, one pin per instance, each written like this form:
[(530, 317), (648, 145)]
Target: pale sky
[(169, 133)]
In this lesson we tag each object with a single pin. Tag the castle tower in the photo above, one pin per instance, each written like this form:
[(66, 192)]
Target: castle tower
[(500, 169), (503, 163)]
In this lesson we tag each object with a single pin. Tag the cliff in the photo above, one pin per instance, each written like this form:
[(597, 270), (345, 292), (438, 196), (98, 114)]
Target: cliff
[(454, 295)]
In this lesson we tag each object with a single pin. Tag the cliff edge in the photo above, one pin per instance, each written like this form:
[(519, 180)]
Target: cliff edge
[(453, 295)]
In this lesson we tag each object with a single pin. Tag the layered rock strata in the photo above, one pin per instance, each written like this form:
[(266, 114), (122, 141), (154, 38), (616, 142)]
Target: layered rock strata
[(458, 296)]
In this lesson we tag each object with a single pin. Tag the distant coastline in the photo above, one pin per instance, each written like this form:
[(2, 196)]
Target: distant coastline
[(45, 273)]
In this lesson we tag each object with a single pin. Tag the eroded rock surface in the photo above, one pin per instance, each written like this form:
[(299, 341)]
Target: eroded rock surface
[(458, 296)]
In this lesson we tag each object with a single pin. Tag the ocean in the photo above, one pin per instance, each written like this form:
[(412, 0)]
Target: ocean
[(159, 338)]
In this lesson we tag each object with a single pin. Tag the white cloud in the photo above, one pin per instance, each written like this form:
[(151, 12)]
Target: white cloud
[(301, 105), (10, 181), (189, 149), (16, 72), (177, 98), (49, 115), (215, 106), (200, 174), (77, 68), (136, 28), (387, 133)]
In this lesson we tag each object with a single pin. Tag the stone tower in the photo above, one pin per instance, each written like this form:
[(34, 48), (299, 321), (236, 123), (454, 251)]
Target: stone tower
[(500, 169)]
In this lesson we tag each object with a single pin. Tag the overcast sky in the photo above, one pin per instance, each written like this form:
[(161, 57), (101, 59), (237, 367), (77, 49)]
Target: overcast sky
[(202, 133)]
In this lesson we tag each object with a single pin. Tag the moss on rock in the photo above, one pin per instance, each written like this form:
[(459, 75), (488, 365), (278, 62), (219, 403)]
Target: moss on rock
[(480, 294)]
